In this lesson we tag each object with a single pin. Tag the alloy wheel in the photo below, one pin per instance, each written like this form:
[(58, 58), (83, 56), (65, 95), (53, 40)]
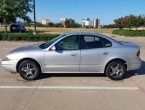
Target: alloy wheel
[(28, 70)]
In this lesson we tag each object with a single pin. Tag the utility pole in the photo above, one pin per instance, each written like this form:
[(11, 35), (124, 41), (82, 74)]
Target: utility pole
[(34, 18)]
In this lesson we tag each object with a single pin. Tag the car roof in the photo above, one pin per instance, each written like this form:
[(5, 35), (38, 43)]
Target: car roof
[(94, 34), (17, 25), (88, 33), (81, 33)]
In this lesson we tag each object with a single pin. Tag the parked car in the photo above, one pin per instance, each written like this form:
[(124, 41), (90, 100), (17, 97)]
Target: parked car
[(17, 28), (77, 52)]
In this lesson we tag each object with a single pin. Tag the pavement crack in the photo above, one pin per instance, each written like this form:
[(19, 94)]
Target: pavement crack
[(31, 96)]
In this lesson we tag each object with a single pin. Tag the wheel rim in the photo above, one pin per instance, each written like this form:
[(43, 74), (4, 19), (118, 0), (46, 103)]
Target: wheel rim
[(28, 70), (116, 70)]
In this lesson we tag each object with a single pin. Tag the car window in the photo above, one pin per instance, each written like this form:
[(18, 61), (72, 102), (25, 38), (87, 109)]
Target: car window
[(90, 42), (20, 26), (107, 43), (14, 26), (68, 43)]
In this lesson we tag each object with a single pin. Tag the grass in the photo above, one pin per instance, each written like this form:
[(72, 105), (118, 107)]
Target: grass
[(130, 33)]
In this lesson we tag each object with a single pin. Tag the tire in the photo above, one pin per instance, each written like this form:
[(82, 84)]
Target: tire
[(115, 70), (29, 70)]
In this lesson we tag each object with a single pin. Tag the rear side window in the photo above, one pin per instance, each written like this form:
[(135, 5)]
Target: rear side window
[(106, 43), (91, 42)]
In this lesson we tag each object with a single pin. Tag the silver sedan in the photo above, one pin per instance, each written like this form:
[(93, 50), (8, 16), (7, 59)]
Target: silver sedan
[(77, 52)]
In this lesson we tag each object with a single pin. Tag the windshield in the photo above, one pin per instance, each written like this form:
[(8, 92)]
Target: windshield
[(47, 44)]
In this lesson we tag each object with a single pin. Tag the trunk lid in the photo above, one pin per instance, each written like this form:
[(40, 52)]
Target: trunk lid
[(129, 44)]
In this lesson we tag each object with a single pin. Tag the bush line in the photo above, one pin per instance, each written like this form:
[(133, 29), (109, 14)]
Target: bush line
[(26, 37)]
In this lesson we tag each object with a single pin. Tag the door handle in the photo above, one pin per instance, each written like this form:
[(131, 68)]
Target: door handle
[(74, 54), (105, 53)]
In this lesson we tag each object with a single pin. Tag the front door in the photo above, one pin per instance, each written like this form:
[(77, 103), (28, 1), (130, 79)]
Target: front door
[(66, 57)]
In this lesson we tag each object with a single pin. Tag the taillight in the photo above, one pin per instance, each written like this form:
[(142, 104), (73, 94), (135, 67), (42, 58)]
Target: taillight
[(138, 53)]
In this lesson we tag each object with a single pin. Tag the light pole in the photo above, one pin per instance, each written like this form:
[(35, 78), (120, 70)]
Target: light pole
[(34, 18)]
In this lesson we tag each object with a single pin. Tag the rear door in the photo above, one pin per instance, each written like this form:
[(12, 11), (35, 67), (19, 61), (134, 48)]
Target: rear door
[(93, 53)]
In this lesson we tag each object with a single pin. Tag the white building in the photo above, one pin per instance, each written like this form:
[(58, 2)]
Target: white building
[(86, 22), (95, 23), (46, 21)]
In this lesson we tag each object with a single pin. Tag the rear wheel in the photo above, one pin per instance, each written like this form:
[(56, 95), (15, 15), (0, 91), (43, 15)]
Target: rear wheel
[(29, 70), (115, 70)]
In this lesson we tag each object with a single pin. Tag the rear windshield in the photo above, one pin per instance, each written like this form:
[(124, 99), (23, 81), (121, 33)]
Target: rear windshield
[(14, 26)]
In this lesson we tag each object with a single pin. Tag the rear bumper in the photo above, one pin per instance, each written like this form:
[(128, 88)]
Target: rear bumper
[(9, 65), (134, 64)]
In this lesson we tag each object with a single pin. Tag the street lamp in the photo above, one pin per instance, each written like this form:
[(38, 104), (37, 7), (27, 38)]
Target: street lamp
[(34, 18)]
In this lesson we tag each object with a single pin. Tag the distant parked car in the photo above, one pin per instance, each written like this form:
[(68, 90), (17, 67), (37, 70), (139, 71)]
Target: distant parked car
[(17, 28), (77, 52)]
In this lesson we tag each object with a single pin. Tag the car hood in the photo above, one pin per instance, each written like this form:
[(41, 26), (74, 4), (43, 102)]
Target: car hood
[(33, 47)]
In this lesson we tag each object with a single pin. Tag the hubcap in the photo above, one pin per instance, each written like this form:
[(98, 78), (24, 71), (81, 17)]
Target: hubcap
[(116, 70), (28, 70)]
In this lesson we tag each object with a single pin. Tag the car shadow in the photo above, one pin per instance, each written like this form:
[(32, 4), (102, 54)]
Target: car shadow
[(129, 74), (45, 76)]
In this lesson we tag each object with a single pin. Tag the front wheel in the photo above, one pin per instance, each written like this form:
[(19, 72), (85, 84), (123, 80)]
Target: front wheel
[(115, 70), (29, 70)]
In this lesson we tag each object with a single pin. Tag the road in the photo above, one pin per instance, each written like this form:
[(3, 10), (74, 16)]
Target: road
[(72, 92)]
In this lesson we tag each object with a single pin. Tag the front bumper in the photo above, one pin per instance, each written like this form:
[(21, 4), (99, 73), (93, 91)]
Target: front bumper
[(9, 65)]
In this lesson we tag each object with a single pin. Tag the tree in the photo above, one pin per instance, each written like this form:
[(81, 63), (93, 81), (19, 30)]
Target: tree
[(120, 23), (141, 21), (130, 21), (1, 20), (143, 18), (10, 10), (73, 25), (110, 26), (50, 24), (57, 25)]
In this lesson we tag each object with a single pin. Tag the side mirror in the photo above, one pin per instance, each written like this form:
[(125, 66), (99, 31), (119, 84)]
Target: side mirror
[(53, 48)]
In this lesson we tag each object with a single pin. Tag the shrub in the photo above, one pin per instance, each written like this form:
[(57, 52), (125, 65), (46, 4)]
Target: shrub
[(0, 36), (4, 37), (131, 33), (27, 37), (44, 37)]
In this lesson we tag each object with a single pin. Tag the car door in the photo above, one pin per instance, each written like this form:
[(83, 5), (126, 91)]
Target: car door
[(93, 53), (66, 57)]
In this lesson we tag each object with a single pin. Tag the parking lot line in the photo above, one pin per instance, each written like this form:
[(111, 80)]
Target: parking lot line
[(69, 88)]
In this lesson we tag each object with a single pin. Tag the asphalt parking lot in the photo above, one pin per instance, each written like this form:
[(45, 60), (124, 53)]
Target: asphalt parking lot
[(72, 92)]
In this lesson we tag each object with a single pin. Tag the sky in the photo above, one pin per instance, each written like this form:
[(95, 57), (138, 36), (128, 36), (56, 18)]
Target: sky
[(105, 10)]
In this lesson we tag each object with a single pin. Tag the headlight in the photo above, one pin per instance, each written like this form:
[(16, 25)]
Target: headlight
[(7, 59)]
